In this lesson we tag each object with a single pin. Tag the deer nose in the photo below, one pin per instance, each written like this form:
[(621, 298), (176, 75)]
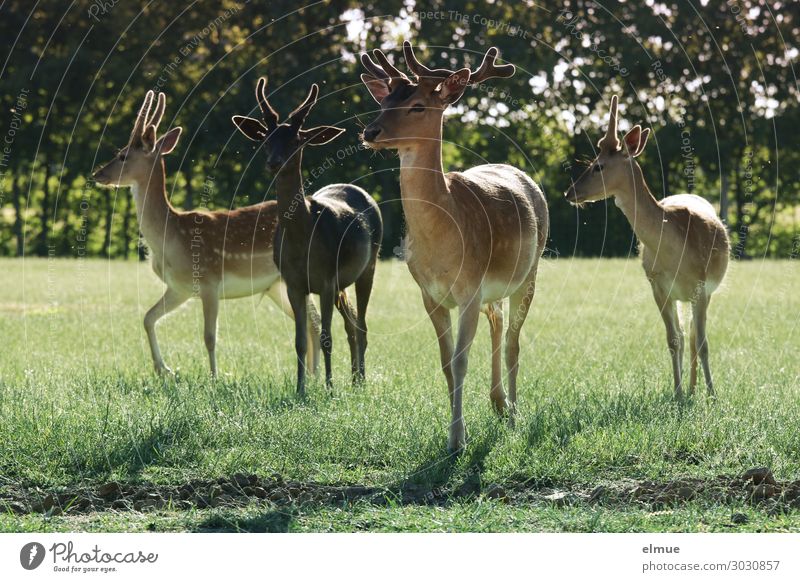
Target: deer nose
[(371, 132)]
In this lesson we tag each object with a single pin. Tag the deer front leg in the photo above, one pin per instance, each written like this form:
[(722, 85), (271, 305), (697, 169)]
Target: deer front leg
[(349, 316), (440, 317), (279, 295), (210, 298), (299, 303), (494, 313), (669, 313), (170, 301), (700, 308), (326, 300), (467, 326)]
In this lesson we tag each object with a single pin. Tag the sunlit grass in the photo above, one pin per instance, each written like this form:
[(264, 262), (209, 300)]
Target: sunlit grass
[(79, 403)]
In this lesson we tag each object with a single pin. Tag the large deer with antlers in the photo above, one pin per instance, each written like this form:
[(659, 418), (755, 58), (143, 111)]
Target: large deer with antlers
[(210, 255), (325, 242), (684, 245), (474, 237)]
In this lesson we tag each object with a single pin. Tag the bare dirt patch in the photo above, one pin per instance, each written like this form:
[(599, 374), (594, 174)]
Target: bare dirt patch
[(756, 486)]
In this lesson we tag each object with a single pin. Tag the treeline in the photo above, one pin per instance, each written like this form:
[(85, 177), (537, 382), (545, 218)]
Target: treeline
[(715, 81)]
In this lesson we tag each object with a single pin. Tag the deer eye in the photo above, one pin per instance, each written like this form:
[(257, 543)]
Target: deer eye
[(122, 156), (417, 108), (597, 168)]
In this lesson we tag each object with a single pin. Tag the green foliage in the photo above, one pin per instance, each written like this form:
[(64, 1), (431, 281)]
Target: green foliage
[(714, 80)]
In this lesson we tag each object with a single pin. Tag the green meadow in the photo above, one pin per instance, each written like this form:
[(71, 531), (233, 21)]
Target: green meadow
[(81, 407)]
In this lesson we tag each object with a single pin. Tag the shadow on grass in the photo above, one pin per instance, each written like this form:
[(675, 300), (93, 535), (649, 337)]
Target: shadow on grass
[(269, 522), (560, 421), (442, 475)]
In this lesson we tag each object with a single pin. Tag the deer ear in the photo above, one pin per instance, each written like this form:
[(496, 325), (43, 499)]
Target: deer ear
[(168, 141), (635, 140), (453, 87), (251, 128), (320, 135), (378, 88)]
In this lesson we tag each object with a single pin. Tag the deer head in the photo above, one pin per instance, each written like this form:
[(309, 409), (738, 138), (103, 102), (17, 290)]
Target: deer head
[(135, 162), (610, 172), (412, 111), (284, 140)]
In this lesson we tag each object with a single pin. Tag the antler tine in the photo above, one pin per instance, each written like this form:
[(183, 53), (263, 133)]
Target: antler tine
[(610, 140), (374, 70), (388, 67), (144, 111), (298, 116), (418, 68), (158, 113), (489, 69), (267, 112)]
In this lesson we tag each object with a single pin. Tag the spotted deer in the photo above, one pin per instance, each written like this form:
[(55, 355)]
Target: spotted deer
[(684, 245), (324, 242), (474, 237), (210, 255)]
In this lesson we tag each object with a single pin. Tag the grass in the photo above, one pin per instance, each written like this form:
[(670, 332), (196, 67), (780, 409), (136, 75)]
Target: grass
[(79, 404)]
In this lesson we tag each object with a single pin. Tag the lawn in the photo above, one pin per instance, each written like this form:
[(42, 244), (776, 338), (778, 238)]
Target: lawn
[(600, 444)]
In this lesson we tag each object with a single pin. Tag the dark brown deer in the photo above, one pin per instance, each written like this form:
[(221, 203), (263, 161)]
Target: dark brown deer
[(475, 237), (324, 243), (210, 255)]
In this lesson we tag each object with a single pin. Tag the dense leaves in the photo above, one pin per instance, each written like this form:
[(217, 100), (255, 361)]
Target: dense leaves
[(715, 80)]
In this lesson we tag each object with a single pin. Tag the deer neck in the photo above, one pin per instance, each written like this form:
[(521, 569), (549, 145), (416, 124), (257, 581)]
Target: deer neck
[(642, 210), (153, 209), (422, 182), (293, 209)]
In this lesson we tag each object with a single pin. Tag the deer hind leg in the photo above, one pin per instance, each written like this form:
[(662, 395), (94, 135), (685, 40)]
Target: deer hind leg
[(519, 306), (279, 295), (494, 313), (669, 313), (363, 292), (440, 317), (210, 298), (693, 355), (326, 301), (348, 314), (170, 301), (700, 308)]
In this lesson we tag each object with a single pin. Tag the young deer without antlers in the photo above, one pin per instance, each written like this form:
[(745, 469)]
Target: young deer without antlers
[(475, 237), (684, 244), (324, 243), (213, 255)]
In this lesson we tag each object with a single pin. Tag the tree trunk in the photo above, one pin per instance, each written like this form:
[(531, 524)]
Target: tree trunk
[(43, 220), (724, 185), (189, 202), (126, 228), (109, 219), (19, 232)]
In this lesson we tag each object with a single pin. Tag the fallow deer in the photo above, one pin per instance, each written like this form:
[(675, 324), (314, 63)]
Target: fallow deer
[(213, 255), (684, 245), (325, 242), (474, 237)]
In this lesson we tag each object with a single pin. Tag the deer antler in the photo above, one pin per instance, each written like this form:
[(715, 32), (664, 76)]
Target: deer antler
[(155, 119), (267, 112), (487, 70), (298, 116), (141, 117), (610, 141)]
